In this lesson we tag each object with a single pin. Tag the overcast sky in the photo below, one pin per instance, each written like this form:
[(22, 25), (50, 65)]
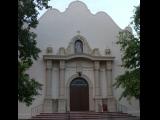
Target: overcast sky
[(120, 11)]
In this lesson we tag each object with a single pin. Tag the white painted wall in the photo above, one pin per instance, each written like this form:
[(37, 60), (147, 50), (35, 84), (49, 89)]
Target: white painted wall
[(56, 29)]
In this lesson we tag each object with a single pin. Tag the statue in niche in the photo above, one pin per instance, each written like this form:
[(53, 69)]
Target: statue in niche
[(78, 46)]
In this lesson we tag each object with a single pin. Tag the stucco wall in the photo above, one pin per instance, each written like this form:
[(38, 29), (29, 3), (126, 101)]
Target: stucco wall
[(56, 29)]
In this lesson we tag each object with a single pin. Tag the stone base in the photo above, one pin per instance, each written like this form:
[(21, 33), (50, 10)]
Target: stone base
[(61, 105), (98, 105), (111, 104), (55, 105), (47, 108)]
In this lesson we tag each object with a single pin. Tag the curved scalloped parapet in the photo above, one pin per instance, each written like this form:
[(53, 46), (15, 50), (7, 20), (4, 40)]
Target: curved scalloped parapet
[(80, 7), (57, 28), (77, 5)]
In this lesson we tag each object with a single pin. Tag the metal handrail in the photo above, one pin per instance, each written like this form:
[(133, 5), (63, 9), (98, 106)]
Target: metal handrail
[(36, 110)]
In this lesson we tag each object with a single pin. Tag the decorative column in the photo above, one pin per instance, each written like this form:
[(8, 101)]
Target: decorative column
[(48, 96), (109, 78), (111, 101), (98, 99), (62, 100)]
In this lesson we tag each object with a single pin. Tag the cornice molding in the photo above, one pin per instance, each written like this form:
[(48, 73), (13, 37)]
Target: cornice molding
[(74, 56)]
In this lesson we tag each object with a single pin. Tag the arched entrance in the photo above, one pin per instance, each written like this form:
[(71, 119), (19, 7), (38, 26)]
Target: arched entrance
[(79, 95)]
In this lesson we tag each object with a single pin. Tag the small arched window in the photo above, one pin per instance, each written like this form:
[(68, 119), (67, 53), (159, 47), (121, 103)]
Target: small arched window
[(78, 47)]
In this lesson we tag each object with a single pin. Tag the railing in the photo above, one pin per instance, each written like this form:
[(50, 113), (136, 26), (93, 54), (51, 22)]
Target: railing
[(121, 108), (36, 110)]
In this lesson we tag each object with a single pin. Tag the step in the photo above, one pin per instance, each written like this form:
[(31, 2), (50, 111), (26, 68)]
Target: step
[(84, 116)]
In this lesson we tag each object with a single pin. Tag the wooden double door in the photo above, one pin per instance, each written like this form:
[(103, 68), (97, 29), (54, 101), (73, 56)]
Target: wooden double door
[(79, 95)]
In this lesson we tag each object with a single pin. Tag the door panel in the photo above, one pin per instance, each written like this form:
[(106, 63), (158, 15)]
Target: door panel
[(79, 95)]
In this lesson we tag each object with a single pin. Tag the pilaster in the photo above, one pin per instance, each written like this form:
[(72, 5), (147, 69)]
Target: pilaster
[(111, 101), (98, 98), (48, 97), (62, 100), (109, 78)]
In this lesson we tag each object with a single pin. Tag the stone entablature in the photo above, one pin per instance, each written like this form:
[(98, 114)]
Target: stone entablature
[(86, 56)]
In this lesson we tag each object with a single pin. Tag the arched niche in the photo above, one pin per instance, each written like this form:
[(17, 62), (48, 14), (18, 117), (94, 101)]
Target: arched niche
[(83, 45)]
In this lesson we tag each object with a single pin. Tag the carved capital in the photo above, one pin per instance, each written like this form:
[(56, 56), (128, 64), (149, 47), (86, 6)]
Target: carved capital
[(49, 64), (109, 65), (62, 64), (96, 65)]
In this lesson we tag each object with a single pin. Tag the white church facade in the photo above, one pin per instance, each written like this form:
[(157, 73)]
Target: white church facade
[(78, 63)]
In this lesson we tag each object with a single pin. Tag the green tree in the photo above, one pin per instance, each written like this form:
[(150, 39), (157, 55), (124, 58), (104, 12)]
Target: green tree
[(130, 47), (27, 50)]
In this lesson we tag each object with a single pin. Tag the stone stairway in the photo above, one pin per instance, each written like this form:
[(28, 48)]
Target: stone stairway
[(85, 116)]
